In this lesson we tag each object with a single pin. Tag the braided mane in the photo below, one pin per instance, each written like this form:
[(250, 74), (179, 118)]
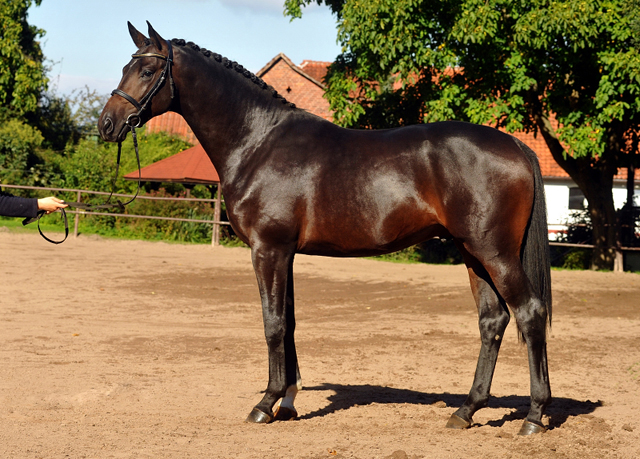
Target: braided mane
[(233, 65)]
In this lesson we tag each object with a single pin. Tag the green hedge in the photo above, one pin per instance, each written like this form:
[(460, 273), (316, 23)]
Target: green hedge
[(90, 165)]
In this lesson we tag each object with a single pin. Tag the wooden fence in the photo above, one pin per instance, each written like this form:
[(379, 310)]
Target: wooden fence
[(215, 233), (216, 222)]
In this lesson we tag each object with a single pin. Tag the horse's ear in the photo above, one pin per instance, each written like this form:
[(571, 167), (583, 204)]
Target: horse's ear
[(155, 37), (139, 39)]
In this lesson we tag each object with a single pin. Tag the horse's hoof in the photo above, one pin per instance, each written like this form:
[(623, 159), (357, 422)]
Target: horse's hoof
[(456, 422), (530, 428), (258, 417), (284, 414)]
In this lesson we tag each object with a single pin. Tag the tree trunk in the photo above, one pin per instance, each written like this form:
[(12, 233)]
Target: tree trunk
[(595, 179), (605, 227), (596, 182), (627, 217)]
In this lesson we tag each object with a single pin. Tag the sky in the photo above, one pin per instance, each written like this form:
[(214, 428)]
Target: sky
[(87, 42)]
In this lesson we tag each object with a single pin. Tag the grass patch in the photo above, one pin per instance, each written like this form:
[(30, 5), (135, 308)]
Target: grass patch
[(408, 255), (434, 251), (54, 225), (15, 225)]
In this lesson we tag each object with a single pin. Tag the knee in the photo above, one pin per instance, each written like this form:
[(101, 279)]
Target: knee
[(274, 334), (496, 321), (492, 326)]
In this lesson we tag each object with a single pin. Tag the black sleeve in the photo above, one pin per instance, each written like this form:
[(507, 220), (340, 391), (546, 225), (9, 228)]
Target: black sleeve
[(13, 206)]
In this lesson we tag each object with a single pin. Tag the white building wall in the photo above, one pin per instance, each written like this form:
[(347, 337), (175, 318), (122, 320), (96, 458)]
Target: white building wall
[(620, 197), (557, 208), (558, 212)]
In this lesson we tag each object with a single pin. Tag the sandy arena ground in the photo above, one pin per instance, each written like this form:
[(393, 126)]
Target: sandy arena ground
[(128, 349)]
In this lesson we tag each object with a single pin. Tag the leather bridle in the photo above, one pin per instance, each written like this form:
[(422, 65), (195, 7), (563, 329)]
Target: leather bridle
[(133, 121)]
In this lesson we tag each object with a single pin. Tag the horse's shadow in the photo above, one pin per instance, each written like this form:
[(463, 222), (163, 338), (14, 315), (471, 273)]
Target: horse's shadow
[(348, 396)]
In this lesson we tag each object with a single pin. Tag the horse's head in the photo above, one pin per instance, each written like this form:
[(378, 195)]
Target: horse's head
[(146, 89)]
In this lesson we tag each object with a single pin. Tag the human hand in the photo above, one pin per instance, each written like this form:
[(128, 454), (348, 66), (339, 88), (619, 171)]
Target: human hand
[(51, 204)]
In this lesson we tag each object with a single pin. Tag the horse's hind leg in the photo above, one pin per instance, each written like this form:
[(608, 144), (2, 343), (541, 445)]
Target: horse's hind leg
[(274, 271), (531, 317), (512, 284), (493, 318)]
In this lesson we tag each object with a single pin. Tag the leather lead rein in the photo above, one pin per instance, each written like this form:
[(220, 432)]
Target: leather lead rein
[(133, 121), (84, 206)]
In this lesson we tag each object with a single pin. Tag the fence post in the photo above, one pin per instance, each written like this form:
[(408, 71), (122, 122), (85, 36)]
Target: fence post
[(215, 232), (75, 225), (618, 263)]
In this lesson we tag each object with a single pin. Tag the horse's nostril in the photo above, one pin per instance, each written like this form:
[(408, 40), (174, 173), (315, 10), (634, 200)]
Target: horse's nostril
[(107, 126)]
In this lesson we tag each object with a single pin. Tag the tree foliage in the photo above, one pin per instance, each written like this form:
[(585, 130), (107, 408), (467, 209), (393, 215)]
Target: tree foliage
[(86, 105), (568, 70), (18, 142), (67, 119), (22, 72)]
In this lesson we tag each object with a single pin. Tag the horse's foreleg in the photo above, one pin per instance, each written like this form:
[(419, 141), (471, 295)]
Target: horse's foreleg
[(492, 320), (274, 271), (285, 410)]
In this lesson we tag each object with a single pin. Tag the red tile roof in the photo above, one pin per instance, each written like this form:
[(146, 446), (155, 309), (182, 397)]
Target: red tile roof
[(189, 166), (172, 123), (315, 69), (296, 85)]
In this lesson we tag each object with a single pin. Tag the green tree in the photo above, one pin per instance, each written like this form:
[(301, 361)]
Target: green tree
[(67, 119), (22, 72), (22, 84), (633, 11), (568, 70), (54, 119), (18, 162), (87, 104)]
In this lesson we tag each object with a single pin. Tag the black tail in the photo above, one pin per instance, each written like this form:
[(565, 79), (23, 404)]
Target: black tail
[(535, 247)]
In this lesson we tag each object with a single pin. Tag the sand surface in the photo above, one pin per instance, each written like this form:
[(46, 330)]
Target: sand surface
[(129, 349)]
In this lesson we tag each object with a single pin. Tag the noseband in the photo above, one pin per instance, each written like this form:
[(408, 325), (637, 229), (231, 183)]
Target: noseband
[(135, 119)]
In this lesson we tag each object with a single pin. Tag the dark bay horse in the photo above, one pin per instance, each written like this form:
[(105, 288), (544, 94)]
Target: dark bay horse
[(295, 183)]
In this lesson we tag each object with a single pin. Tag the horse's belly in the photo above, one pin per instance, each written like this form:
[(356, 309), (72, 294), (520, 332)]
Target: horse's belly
[(361, 240)]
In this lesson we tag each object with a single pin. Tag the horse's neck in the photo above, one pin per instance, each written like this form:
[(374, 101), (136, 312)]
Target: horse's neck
[(230, 122)]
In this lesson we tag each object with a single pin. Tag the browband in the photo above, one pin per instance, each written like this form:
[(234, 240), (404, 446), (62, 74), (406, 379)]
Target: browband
[(160, 56)]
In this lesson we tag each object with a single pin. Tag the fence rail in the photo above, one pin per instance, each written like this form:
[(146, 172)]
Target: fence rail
[(590, 246), (216, 222)]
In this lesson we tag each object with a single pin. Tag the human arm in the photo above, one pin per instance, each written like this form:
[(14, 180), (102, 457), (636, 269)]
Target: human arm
[(15, 206)]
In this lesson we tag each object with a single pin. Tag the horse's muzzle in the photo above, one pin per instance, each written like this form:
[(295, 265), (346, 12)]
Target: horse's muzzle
[(109, 131)]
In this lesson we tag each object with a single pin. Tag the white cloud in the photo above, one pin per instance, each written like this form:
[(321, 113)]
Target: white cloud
[(258, 6)]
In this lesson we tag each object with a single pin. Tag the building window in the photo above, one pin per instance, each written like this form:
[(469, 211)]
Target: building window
[(577, 201)]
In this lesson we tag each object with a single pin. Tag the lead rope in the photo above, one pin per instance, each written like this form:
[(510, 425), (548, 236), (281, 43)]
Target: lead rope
[(80, 205), (133, 121)]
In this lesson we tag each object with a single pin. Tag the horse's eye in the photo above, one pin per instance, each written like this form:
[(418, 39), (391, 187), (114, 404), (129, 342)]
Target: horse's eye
[(147, 73)]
